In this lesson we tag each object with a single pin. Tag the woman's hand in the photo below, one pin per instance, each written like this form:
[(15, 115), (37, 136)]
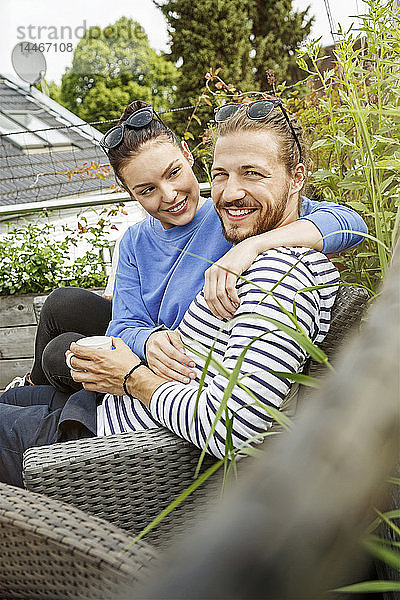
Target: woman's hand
[(166, 356), (102, 370), (220, 285)]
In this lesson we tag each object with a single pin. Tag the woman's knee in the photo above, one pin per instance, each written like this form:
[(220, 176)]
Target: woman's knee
[(75, 309), (54, 366), (53, 357), (58, 299)]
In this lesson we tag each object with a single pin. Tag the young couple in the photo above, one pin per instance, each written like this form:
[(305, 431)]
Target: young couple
[(258, 173)]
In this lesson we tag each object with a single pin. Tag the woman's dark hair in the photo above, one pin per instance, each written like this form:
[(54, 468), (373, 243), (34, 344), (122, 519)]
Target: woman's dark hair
[(134, 139)]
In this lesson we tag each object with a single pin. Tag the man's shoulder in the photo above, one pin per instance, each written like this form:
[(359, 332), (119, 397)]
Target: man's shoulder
[(294, 261), (290, 255)]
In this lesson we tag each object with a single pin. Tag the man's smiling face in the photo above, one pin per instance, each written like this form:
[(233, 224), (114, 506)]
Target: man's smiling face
[(251, 188)]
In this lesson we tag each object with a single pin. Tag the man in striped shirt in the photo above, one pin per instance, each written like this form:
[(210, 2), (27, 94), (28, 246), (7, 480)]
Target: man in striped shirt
[(258, 174)]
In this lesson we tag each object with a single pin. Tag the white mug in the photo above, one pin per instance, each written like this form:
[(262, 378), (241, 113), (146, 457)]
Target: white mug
[(98, 342)]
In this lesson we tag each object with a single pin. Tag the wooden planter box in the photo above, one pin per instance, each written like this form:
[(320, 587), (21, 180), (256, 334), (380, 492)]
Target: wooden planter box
[(17, 336)]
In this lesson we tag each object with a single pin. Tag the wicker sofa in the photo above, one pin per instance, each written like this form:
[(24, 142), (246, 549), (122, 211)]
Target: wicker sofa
[(128, 479), (52, 550)]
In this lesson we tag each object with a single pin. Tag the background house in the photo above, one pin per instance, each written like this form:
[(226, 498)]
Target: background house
[(41, 143)]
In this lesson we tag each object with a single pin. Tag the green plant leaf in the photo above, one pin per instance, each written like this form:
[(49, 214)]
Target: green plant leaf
[(324, 143), (370, 587), (387, 520), (298, 378), (249, 451), (324, 174), (357, 205), (392, 163), (384, 554), (385, 140), (353, 185)]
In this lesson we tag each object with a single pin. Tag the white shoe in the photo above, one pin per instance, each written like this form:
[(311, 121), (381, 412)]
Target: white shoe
[(18, 382)]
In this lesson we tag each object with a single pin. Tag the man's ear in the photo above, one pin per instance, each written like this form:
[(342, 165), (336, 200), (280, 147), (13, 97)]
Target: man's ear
[(186, 153), (299, 177)]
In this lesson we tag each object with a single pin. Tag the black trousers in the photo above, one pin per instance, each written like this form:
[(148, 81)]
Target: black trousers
[(67, 315)]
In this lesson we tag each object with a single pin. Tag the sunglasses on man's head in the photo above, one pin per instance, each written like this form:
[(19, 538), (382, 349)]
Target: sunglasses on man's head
[(257, 110), (136, 120)]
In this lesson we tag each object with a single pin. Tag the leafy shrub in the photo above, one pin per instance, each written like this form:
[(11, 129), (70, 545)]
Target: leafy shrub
[(33, 260)]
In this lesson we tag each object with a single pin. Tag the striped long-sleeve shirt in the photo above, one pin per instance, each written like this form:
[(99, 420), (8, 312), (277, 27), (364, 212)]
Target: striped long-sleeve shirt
[(272, 285)]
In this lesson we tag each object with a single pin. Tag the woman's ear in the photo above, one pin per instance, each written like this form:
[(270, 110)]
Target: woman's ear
[(186, 153)]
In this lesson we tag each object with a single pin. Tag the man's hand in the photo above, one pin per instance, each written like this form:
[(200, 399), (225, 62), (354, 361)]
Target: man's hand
[(220, 286), (166, 356), (102, 370)]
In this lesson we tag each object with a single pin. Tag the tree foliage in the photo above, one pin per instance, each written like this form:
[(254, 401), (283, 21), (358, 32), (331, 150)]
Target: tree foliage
[(112, 67), (207, 34), (277, 32), (244, 37)]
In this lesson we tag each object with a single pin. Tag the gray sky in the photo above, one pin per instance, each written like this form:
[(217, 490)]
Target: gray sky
[(18, 15)]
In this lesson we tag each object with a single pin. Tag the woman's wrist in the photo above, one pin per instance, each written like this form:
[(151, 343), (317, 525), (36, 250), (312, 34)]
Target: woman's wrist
[(260, 243)]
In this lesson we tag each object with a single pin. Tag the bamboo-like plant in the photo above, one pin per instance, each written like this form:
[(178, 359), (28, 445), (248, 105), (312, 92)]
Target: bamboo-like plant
[(353, 117), (382, 549)]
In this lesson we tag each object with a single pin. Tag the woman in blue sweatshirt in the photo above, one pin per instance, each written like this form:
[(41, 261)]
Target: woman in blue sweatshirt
[(165, 260)]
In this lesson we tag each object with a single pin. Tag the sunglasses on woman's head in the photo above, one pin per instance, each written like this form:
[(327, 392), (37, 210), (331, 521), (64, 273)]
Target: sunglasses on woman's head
[(136, 120), (257, 110)]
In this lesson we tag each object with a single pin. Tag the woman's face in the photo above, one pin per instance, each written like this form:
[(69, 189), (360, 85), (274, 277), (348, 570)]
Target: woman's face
[(160, 177)]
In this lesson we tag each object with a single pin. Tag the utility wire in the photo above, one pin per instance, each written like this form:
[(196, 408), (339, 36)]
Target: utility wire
[(160, 112), (330, 19)]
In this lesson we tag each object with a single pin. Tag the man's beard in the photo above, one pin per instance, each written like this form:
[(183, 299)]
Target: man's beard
[(270, 218)]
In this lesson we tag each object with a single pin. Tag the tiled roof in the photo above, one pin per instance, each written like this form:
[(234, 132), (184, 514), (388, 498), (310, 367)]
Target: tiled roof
[(36, 176)]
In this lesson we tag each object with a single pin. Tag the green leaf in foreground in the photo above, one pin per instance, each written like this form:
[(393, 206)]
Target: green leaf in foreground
[(386, 519), (370, 587), (384, 554), (395, 480)]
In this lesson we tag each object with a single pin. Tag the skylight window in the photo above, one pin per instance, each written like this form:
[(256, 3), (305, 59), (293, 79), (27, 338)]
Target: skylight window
[(53, 136), (13, 122), (22, 140)]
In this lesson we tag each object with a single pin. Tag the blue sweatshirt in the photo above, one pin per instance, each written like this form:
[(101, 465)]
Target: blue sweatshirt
[(160, 270)]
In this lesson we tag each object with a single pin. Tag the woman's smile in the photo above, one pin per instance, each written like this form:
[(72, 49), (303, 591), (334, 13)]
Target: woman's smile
[(179, 208)]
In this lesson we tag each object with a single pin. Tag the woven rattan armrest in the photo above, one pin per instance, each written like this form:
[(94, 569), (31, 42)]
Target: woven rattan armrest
[(49, 549), (126, 479)]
